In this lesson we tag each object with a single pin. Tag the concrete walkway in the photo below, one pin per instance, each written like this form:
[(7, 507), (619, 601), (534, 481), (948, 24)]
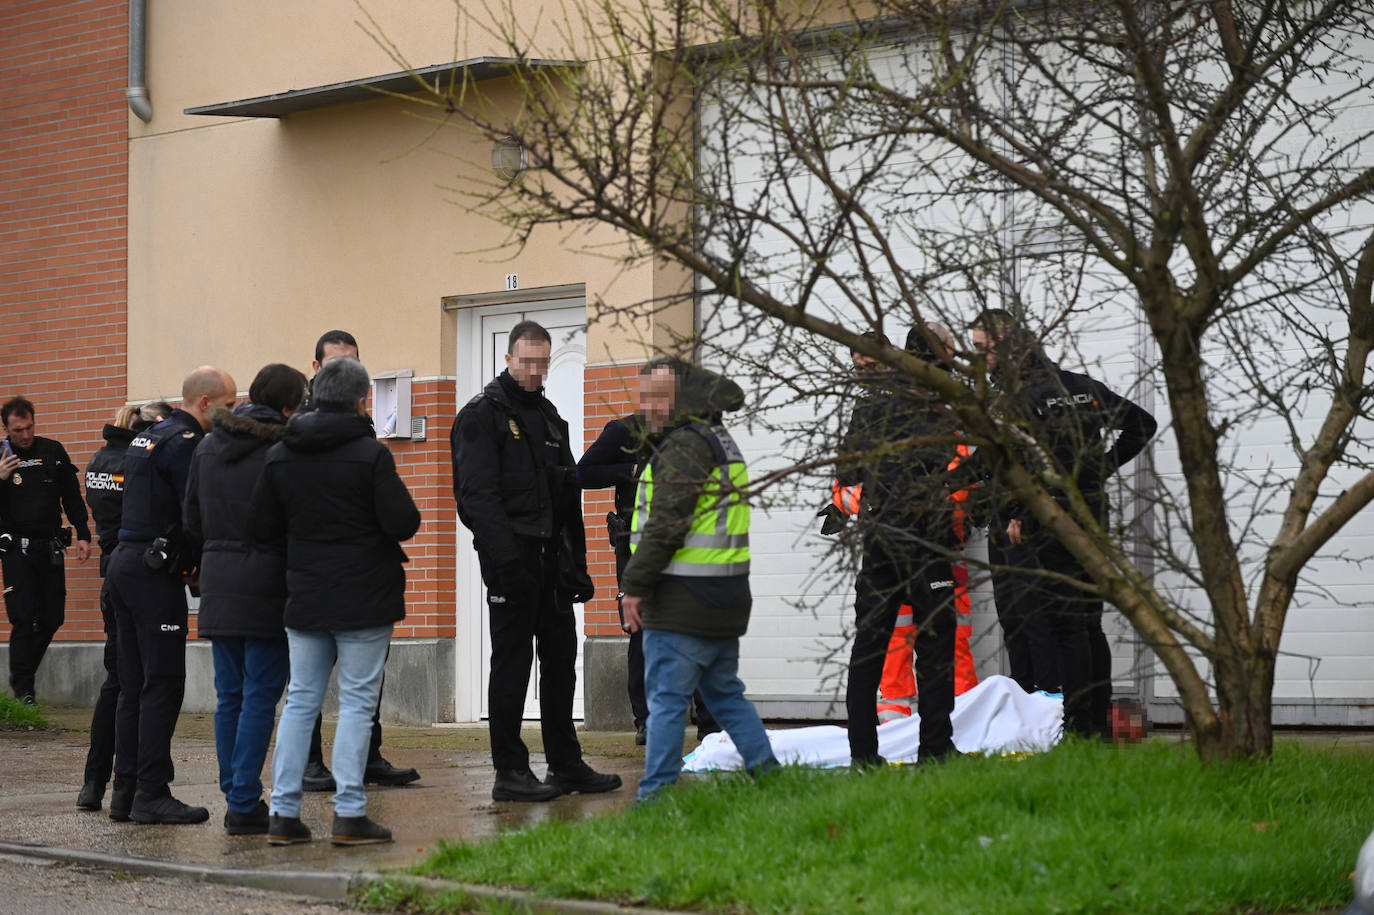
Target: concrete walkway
[(41, 773)]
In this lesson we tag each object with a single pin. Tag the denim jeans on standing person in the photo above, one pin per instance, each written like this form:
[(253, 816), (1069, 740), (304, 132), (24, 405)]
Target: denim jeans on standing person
[(250, 675), (674, 666), (361, 654)]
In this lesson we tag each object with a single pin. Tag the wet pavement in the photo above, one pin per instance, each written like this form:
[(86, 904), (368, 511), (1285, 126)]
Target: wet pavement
[(41, 772)]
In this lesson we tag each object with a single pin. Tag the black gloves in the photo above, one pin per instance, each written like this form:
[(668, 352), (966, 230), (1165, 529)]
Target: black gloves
[(835, 520)]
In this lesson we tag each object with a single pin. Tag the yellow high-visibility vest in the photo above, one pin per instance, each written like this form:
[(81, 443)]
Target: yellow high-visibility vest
[(717, 542)]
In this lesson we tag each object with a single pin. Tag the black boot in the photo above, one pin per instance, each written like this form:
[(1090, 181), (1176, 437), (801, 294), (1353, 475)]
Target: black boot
[(92, 793), (521, 785)]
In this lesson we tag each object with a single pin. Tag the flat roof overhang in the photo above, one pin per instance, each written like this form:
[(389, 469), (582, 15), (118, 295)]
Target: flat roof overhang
[(438, 78)]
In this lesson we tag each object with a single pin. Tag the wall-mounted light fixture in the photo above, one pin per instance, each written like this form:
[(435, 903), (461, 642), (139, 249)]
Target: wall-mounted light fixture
[(509, 158)]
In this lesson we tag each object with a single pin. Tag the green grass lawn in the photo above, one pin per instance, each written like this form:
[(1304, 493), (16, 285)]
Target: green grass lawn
[(15, 715), (1085, 828)]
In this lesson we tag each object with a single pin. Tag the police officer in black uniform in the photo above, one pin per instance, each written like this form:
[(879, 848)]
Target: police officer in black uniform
[(898, 447), (515, 483), (105, 496), (147, 588), (1072, 418), (37, 483)]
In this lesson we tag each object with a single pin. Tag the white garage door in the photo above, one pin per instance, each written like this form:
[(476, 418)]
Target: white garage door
[(793, 657)]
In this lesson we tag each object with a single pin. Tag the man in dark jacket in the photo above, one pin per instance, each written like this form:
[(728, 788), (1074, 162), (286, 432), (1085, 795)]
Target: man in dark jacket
[(614, 459), (242, 587), (334, 344), (330, 490), (147, 583), (687, 584), (899, 446), (516, 487), (37, 484), (1050, 602), (105, 496)]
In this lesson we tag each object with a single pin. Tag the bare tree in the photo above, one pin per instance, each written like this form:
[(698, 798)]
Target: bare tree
[(1182, 186)]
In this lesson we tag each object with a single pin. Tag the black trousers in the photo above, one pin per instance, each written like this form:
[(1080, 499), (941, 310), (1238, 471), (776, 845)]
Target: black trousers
[(35, 602), (889, 577), (150, 621), (100, 756), (538, 621), (1070, 639), (1023, 613)]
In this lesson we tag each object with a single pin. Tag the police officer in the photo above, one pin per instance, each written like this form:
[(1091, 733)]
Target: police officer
[(1072, 417), (899, 447), (105, 496), (515, 483), (37, 483), (147, 591)]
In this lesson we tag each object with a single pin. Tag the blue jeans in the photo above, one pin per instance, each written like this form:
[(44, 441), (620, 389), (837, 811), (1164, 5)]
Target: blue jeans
[(674, 666), (361, 654), (250, 675)]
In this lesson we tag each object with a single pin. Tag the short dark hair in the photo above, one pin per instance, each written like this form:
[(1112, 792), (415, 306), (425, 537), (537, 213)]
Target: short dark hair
[(278, 386), (17, 406), (341, 337), (341, 383), (532, 329), (997, 321)]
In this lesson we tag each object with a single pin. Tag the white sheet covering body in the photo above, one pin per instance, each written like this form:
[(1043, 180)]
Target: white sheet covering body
[(996, 716)]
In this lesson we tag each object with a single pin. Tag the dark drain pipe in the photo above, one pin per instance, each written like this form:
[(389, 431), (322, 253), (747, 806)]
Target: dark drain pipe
[(137, 93)]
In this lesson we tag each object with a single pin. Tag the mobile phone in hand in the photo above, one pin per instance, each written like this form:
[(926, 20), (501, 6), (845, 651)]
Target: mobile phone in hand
[(5, 449)]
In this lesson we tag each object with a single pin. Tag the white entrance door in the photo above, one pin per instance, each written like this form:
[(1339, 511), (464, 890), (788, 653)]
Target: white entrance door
[(483, 331)]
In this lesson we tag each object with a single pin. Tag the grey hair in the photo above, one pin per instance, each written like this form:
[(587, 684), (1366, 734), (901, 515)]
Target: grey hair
[(341, 383)]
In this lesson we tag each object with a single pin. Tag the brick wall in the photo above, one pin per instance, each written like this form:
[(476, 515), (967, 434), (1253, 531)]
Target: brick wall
[(610, 391), (428, 473), (63, 181)]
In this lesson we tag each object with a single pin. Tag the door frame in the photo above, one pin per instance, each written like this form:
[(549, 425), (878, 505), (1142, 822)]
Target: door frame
[(468, 681)]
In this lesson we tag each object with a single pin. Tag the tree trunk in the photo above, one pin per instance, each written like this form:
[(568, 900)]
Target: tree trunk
[(1245, 686)]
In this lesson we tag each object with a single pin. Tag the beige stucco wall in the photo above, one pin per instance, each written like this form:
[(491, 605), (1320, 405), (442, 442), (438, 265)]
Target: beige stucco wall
[(250, 236)]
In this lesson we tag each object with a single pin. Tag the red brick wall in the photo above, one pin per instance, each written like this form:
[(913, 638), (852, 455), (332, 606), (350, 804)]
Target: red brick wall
[(63, 180), (610, 391), (427, 470)]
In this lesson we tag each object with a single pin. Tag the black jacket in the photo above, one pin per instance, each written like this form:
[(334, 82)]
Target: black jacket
[(242, 583), (899, 446), (40, 489), (1072, 417), (513, 474), (614, 459), (156, 467), (331, 489), (105, 486)]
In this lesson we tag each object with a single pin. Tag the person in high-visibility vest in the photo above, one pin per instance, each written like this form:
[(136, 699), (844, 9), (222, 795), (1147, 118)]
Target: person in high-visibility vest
[(893, 449), (687, 582)]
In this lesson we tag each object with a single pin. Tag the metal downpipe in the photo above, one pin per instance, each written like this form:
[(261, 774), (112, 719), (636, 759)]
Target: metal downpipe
[(137, 93)]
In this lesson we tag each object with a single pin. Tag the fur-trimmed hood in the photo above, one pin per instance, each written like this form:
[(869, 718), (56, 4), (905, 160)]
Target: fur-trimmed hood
[(246, 428)]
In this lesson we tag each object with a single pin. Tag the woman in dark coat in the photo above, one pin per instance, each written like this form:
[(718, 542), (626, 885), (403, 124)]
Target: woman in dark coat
[(332, 491), (242, 587)]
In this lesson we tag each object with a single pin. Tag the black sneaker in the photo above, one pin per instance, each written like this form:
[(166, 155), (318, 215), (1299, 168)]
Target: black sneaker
[(121, 801), (317, 777), (166, 810), (358, 831), (641, 735), (381, 772), (582, 779), (286, 830), (92, 793), (521, 785), (864, 763), (252, 823)]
